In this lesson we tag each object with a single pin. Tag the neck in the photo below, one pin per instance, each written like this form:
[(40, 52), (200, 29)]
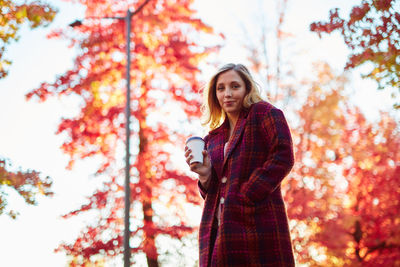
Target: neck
[(232, 122)]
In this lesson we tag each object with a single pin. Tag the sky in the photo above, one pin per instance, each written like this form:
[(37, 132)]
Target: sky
[(28, 137)]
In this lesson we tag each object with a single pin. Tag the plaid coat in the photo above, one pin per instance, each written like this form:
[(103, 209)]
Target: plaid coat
[(253, 228)]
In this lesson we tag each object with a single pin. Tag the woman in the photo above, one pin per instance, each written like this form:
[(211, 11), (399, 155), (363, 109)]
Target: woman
[(244, 221)]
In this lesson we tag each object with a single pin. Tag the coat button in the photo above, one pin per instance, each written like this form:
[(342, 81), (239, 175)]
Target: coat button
[(224, 179), (222, 200)]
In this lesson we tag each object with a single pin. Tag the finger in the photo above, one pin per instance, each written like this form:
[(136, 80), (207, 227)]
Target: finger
[(194, 166), (188, 159), (205, 155)]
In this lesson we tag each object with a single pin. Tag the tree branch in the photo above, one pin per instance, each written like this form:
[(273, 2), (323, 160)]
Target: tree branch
[(140, 7)]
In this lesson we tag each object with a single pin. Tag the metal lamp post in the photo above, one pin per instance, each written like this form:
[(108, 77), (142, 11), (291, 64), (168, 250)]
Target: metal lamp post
[(127, 233), (127, 18)]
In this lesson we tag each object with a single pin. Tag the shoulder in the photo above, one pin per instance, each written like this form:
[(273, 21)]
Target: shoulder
[(219, 130), (262, 108), (263, 115), (206, 138), (211, 134)]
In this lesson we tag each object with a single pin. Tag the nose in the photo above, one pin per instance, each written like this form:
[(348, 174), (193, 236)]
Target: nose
[(228, 92)]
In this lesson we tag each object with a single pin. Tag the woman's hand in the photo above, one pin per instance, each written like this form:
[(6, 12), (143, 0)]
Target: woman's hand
[(202, 169)]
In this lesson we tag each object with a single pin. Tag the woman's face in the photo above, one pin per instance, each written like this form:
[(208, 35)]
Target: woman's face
[(230, 91)]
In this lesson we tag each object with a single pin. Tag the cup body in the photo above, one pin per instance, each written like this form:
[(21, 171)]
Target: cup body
[(196, 144)]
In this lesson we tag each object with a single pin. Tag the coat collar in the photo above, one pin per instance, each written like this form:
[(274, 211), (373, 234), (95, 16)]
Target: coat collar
[(237, 132), (225, 125)]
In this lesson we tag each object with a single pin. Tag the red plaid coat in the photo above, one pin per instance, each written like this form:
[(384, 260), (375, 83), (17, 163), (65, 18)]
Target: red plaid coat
[(254, 228)]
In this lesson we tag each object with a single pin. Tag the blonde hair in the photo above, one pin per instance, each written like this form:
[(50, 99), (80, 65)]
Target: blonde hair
[(213, 115)]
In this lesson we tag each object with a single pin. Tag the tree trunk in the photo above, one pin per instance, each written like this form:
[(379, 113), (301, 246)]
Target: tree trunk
[(149, 244)]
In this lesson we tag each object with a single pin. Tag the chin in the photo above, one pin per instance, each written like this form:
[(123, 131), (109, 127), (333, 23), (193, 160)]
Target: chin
[(232, 111)]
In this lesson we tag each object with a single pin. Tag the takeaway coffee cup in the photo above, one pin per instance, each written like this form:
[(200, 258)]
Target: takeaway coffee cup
[(196, 144)]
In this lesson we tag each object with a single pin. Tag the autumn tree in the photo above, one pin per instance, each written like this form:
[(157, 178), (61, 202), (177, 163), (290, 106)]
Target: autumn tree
[(168, 42), (311, 191), (27, 183), (370, 163), (332, 193), (13, 16), (372, 34), (342, 194)]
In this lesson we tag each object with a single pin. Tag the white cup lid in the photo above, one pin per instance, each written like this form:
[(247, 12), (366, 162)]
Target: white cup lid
[(193, 138)]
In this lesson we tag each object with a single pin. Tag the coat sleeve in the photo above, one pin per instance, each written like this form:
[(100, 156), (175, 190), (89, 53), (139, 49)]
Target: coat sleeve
[(279, 162), (202, 190)]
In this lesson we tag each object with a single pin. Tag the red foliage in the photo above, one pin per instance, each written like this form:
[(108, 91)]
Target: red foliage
[(343, 194), (164, 68)]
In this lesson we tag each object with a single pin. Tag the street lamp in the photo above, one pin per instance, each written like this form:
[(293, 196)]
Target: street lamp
[(127, 18)]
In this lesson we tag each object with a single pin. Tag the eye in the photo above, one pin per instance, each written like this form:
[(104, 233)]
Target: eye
[(235, 86), (220, 88)]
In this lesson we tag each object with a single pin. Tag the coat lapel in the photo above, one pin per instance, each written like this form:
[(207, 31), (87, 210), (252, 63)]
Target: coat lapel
[(237, 132), (216, 146), (217, 141)]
